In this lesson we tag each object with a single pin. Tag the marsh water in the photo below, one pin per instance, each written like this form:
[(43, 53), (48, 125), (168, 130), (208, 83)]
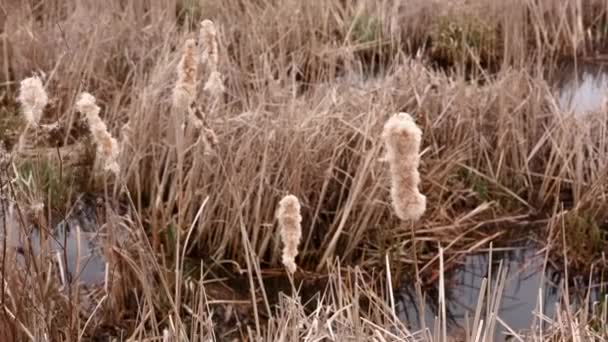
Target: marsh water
[(531, 287), (76, 242), (581, 87)]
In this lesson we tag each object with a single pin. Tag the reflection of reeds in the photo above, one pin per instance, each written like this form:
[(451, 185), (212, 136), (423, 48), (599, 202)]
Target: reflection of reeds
[(402, 139)]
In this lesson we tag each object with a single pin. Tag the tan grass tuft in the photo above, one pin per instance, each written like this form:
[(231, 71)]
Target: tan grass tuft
[(402, 138), (33, 99), (107, 147), (184, 92), (289, 218)]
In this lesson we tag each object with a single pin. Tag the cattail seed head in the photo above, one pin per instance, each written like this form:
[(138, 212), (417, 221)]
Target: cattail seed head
[(208, 40), (33, 99), (107, 146), (290, 220), (184, 92), (402, 139), (210, 57), (214, 85)]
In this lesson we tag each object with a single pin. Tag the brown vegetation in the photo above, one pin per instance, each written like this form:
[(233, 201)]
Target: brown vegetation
[(292, 98)]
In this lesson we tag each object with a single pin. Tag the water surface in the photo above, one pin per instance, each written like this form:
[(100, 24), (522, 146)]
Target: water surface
[(581, 87), (526, 273)]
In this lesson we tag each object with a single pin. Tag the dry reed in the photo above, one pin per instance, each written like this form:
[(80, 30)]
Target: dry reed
[(319, 146)]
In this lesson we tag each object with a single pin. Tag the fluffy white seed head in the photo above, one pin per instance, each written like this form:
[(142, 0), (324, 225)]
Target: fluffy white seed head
[(184, 92), (33, 99), (210, 58), (208, 41), (107, 146), (290, 220), (402, 139), (214, 85)]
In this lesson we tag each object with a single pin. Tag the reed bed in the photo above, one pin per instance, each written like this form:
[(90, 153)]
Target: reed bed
[(207, 114)]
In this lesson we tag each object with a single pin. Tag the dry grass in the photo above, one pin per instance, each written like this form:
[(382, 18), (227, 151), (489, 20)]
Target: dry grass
[(307, 88)]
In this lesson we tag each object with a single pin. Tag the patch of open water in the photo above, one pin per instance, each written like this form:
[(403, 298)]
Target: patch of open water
[(582, 87)]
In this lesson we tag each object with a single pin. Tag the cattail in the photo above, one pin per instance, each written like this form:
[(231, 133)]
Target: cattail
[(33, 99), (289, 218), (107, 147), (184, 92), (208, 40), (214, 85), (210, 58), (402, 138)]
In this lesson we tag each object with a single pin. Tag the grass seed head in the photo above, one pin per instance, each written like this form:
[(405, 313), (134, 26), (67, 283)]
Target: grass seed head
[(402, 139), (290, 220), (33, 99)]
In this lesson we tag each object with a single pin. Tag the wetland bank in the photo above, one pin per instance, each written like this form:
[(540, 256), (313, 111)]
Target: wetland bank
[(176, 237)]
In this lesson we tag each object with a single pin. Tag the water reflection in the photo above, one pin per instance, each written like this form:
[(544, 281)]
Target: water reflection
[(582, 87), (526, 275), (89, 268)]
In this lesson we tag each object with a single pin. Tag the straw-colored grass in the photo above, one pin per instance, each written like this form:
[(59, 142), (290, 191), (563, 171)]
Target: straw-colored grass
[(292, 96)]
